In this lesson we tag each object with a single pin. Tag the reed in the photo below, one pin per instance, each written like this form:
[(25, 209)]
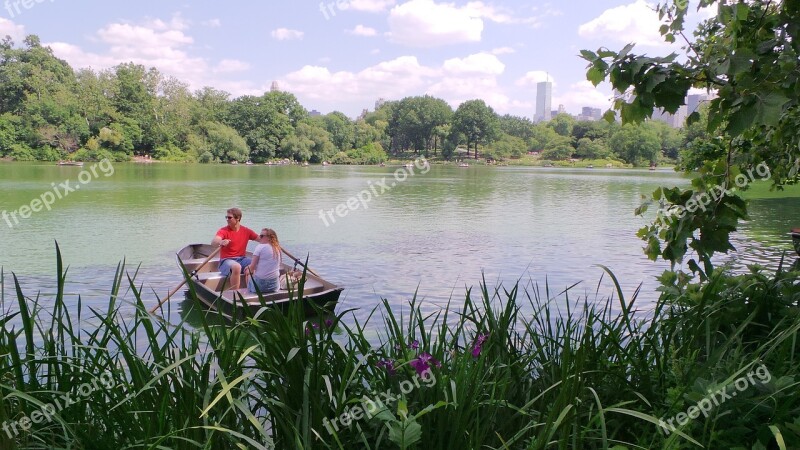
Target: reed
[(515, 367)]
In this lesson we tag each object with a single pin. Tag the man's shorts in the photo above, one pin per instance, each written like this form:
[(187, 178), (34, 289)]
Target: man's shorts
[(225, 264)]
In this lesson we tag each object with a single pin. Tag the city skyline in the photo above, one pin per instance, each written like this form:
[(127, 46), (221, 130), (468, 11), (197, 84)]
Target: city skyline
[(345, 55)]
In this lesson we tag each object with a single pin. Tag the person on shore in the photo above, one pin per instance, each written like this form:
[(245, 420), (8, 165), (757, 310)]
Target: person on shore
[(264, 271), (233, 239)]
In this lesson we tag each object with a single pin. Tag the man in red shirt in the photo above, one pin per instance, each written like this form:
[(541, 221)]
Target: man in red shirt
[(233, 239)]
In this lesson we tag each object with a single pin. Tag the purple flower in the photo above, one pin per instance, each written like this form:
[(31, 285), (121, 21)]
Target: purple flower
[(478, 344), (328, 323), (423, 363), (414, 344), (388, 365)]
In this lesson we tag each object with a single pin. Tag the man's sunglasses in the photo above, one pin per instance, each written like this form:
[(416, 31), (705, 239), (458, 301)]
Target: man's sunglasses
[(229, 217)]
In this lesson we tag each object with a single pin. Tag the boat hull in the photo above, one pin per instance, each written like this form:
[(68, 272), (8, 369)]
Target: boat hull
[(314, 293)]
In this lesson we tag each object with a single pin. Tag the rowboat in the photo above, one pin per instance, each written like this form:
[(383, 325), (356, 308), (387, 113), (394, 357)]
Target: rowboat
[(796, 240), (71, 163), (208, 281)]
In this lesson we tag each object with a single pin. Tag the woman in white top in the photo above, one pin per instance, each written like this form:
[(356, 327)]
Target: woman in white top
[(265, 268)]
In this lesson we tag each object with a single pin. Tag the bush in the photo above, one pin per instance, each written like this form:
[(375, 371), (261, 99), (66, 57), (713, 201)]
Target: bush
[(21, 152)]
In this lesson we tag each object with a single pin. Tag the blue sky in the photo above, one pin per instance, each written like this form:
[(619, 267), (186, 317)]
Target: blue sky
[(344, 55)]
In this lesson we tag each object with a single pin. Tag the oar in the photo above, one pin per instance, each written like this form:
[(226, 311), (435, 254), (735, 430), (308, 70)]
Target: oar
[(298, 261), (194, 272)]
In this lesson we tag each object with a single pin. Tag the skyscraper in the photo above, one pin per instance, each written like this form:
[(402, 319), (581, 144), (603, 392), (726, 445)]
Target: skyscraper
[(544, 91)]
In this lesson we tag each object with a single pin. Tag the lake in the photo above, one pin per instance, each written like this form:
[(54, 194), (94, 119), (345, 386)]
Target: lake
[(382, 232)]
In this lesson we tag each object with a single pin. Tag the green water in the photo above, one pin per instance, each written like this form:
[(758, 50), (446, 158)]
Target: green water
[(437, 230)]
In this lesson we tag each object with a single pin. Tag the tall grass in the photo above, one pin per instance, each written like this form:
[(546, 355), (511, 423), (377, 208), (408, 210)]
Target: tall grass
[(508, 367)]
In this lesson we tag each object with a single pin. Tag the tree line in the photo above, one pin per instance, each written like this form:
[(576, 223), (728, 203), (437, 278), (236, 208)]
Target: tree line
[(49, 111)]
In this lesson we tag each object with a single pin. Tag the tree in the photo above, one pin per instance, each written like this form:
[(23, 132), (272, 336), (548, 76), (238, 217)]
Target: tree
[(520, 127), (636, 144), (562, 124), (309, 143), (224, 143), (592, 148), (265, 121), (341, 130), (749, 54), (414, 122), (477, 122)]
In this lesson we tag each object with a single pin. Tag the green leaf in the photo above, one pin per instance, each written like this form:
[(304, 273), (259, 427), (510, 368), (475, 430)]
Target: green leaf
[(740, 120), (770, 108), (595, 75), (588, 55)]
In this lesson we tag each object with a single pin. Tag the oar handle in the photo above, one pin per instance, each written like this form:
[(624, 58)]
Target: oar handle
[(194, 272), (298, 261)]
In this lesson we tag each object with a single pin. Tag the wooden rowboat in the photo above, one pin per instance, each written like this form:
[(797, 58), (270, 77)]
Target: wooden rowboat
[(208, 281), (71, 163)]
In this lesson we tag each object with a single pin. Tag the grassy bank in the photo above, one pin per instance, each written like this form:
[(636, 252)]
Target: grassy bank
[(480, 373)]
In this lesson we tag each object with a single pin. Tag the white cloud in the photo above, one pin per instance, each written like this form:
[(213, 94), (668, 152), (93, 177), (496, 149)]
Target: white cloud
[(285, 34), (156, 45), (580, 94), (7, 27), (391, 79), (176, 23), (361, 30), (231, 65), (636, 22), (479, 63), (533, 77), (498, 15), (423, 23), (372, 6), (503, 51), (212, 23)]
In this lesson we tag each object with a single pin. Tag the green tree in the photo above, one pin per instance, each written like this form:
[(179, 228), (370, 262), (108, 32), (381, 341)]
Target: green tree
[(592, 149), (562, 124), (749, 53), (414, 120), (134, 96), (341, 130), (636, 144), (309, 142), (224, 143), (477, 122), (266, 121)]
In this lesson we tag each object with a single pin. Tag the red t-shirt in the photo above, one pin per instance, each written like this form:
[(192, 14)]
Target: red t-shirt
[(239, 239)]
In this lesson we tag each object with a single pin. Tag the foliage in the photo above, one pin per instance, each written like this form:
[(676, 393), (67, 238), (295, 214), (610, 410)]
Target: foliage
[(309, 143), (414, 122), (476, 122), (562, 124), (507, 368), (341, 130), (749, 54), (636, 144), (368, 154)]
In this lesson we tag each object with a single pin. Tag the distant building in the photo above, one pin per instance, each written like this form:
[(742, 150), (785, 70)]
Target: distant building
[(274, 87), (314, 113), (544, 93), (674, 120), (590, 114), (694, 101)]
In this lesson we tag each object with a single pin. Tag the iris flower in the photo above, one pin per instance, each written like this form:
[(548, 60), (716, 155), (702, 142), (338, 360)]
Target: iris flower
[(478, 344), (423, 363)]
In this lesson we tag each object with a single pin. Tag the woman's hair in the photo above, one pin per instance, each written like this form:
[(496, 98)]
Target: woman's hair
[(272, 238)]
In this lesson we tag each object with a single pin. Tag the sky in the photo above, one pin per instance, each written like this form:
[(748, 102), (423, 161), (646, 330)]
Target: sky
[(344, 55)]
